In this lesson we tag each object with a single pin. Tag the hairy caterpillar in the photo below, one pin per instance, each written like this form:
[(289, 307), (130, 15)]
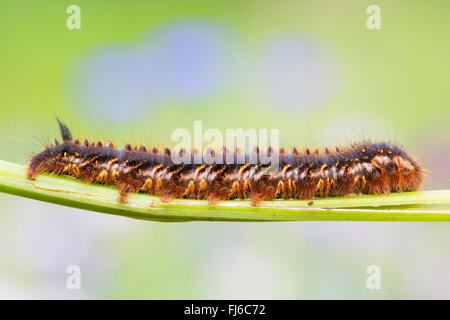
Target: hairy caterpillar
[(363, 168)]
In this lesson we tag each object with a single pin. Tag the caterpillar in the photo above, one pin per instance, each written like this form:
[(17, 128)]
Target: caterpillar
[(361, 168)]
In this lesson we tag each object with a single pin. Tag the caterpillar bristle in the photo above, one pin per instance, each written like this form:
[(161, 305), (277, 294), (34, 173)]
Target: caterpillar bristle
[(65, 132)]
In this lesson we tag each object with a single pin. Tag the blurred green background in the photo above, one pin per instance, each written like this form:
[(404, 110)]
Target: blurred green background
[(138, 70)]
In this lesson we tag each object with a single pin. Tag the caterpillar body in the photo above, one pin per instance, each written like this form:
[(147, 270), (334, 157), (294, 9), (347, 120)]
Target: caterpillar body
[(362, 168)]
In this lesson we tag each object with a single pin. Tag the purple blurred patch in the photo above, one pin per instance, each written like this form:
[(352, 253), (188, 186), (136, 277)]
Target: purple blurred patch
[(297, 72), (180, 62)]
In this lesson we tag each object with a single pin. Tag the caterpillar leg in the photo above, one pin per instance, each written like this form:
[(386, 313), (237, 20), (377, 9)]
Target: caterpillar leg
[(123, 197), (126, 185)]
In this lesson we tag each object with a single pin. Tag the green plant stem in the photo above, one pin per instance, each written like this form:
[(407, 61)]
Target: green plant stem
[(67, 191)]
